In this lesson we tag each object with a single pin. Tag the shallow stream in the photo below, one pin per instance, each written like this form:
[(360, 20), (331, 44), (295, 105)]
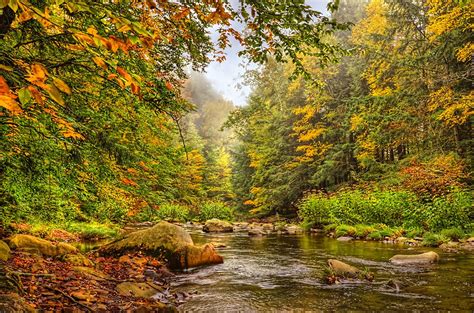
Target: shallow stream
[(284, 273)]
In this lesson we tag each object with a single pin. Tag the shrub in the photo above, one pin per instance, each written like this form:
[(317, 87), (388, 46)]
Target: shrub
[(315, 210), (376, 235), (454, 233), (173, 212), (414, 232), (452, 210), (216, 209), (433, 240), (330, 227)]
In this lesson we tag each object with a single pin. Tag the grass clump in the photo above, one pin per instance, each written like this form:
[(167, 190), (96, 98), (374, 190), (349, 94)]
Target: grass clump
[(433, 240), (363, 231), (454, 234), (92, 230), (345, 230)]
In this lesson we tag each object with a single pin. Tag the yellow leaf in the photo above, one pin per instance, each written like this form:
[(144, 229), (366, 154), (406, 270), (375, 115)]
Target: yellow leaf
[(6, 68), (100, 62), (54, 94), (10, 104), (62, 85)]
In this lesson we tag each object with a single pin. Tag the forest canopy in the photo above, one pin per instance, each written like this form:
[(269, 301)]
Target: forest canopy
[(102, 120)]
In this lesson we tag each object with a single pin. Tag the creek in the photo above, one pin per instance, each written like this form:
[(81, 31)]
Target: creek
[(285, 273)]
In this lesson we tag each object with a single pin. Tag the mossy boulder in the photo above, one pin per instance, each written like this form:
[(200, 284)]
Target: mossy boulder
[(423, 258), (168, 241), (41, 246), (217, 226), (77, 260), (4, 251), (139, 290)]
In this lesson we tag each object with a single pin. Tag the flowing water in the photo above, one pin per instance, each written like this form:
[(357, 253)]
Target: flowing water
[(284, 273)]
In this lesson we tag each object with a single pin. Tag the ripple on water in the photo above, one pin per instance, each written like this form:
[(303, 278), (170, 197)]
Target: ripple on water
[(284, 273)]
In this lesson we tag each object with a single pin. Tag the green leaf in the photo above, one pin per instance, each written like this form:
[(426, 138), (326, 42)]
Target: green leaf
[(24, 95)]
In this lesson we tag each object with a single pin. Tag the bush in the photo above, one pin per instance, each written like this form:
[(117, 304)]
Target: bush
[(376, 235), (173, 212), (433, 240), (363, 230), (216, 209), (414, 232), (454, 234), (392, 208)]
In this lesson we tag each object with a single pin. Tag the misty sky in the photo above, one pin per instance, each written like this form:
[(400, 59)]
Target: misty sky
[(227, 75)]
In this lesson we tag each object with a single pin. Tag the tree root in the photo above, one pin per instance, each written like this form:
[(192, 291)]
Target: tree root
[(70, 298)]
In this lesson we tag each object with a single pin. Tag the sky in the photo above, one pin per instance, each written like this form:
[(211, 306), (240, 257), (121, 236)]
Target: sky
[(226, 76)]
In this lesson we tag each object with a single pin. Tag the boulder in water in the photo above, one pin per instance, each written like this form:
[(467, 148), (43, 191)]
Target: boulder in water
[(38, 245), (423, 258), (217, 226), (165, 240), (343, 269), (345, 238)]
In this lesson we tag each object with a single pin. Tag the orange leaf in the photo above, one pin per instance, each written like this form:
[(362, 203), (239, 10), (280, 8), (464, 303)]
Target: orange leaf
[(10, 104), (124, 73), (129, 182), (135, 88), (169, 86), (4, 89), (100, 62), (36, 94)]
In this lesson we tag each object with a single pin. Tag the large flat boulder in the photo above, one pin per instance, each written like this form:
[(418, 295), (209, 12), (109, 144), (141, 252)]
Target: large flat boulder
[(168, 241), (37, 245), (423, 258), (217, 226)]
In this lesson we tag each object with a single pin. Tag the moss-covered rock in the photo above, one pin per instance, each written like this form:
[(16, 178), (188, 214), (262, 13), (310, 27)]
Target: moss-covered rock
[(168, 241), (139, 290), (44, 247), (217, 226), (423, 258), (4, 251), (77, 259)]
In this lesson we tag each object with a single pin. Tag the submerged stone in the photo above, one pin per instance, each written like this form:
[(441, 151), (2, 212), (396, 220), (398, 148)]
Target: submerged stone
[(423, 258), (165, 240), (217, 226), (345, 238), (38, 245)]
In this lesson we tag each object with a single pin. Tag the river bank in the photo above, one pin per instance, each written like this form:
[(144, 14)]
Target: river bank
[(87, 280)]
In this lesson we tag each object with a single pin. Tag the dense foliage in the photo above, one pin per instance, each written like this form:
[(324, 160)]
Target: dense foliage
[(394, 116), (91, 110)]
